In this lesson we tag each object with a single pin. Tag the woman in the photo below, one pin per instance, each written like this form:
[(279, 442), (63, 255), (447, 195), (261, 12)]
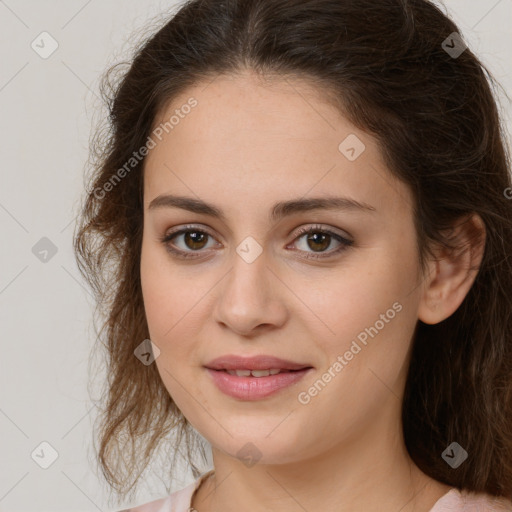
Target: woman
[(304, 207)]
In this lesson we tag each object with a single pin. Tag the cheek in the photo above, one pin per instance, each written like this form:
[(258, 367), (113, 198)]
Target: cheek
[(350, 299), (153, 284), (167, 310), (175, 305), (366, 315), (161, 291)]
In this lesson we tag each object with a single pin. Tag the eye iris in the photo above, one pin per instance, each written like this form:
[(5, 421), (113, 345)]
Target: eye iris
[(315, 238), (193, 236)]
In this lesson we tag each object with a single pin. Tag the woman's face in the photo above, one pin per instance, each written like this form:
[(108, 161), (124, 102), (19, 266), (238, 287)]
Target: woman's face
[(253, 284)]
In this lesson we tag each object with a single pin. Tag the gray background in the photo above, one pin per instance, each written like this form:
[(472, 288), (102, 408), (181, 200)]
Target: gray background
[(48, 108)]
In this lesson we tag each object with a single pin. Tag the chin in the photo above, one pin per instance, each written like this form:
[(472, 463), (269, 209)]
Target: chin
[(256, 447)]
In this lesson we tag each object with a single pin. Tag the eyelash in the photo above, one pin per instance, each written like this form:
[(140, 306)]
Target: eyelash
[(345, 243)]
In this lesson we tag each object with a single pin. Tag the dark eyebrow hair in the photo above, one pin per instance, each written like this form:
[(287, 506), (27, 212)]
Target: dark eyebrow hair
[(279, 210)]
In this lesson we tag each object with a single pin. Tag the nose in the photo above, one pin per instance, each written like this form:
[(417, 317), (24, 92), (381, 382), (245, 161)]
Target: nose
[(251, 298)]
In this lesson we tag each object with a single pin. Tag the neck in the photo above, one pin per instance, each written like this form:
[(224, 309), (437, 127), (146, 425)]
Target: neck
[(365, 473)]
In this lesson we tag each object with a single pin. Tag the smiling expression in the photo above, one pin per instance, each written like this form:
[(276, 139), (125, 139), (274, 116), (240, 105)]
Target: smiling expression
[(228, 265)]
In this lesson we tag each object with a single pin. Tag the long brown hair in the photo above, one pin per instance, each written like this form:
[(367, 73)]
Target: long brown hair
[(387, 65)]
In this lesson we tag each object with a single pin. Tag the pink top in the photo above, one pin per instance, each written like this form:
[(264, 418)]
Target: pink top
[(453, 501)]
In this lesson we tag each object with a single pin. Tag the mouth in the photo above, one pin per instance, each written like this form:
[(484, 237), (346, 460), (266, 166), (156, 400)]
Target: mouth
[(255, 377), (260, 373), (250, 385), (257, 366)]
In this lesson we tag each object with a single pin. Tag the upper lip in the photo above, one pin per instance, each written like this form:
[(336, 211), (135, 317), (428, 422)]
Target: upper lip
[(261, 362)]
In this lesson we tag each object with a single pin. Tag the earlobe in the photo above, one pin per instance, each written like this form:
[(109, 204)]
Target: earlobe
[(453, 272)]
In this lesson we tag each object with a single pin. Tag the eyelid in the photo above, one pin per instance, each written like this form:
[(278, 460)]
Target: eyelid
[(324, 228), (191, 227), (183, 229), (297, 232), (345, 240)]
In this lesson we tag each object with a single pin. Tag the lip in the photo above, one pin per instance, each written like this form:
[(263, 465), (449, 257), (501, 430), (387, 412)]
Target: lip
[(255, 388), (260, 362)]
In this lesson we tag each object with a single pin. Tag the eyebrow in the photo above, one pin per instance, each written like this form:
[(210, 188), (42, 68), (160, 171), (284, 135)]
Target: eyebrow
[(279, 210)]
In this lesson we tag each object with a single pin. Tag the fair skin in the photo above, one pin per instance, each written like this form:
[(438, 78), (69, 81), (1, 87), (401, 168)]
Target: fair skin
[(243, 148)]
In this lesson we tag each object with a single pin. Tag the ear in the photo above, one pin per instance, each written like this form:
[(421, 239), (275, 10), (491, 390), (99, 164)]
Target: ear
[(453, 272)]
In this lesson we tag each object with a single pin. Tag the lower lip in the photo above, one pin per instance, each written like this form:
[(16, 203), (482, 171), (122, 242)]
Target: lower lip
[(254, 388)]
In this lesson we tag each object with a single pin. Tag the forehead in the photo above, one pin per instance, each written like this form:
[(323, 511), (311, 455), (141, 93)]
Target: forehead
[(250, 142)]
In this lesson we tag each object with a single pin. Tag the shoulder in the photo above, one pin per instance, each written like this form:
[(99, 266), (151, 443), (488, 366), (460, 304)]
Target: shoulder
[(179, 501), (456, 500)]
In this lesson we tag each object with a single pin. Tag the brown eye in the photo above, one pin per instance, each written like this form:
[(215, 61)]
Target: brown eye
[(318, 239), (190, 241), (187, 241), (195, 239)]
